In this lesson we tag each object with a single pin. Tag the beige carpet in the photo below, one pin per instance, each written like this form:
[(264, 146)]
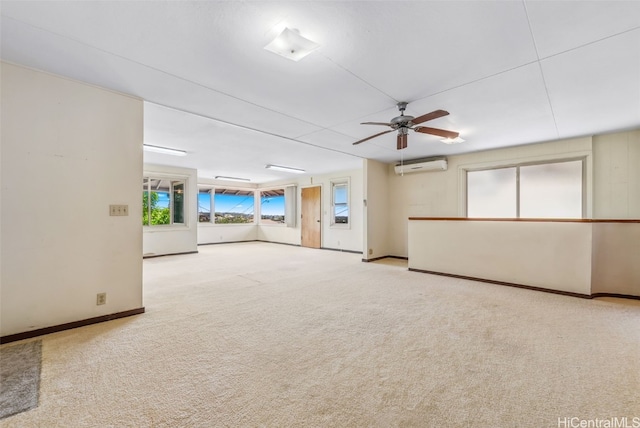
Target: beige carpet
[(258, 334)]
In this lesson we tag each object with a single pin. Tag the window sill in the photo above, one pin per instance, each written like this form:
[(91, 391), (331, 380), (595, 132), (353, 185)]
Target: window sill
[(165, 228), (340, 226), (207, 224)]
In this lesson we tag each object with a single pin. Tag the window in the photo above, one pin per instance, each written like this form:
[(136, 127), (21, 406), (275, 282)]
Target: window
[(233, 206), (162, 201), (340, 203), (548, 190), (272, 206), (204, 205)]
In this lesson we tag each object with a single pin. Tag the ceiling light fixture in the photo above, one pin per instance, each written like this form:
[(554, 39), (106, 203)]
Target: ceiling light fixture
[(164, 150), (285, 169), (222, 177), (291, 45), (456, 140)]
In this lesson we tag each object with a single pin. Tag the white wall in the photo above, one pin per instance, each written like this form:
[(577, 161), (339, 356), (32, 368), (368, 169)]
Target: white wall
[(617, 175), (378, 229), (175, 239), (69, 150)]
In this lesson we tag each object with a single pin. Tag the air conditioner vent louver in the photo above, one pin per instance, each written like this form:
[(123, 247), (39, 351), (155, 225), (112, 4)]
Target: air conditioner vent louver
[(411, 167)]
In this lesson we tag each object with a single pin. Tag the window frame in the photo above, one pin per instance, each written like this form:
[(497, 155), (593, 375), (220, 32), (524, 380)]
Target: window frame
[(335, 183), (284, 208), (586, 179), (172, 179), (209, 189)]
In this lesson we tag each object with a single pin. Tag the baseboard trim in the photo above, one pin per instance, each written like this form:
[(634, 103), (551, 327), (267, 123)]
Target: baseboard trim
[(530, 287), (153, 256), (68, 326), (508, 284), (280, 243), (375, 259), (341, 250), (617, 295), (228, 242)]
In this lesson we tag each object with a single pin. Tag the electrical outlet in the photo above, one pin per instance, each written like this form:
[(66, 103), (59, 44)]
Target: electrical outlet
[(370, 251), (101, 299), (118, 210)]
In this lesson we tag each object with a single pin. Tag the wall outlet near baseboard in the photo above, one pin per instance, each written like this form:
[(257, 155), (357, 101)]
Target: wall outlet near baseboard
[(370, 251), (101, 299)]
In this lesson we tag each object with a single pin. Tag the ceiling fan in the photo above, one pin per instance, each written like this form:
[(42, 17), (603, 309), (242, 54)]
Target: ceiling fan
[(404, 123)]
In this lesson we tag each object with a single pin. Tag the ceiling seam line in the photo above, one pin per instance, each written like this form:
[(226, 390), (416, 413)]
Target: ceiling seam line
[(360, 78), (591, 43), (160, 71), (475, 81), (248, 128), (544, 81)]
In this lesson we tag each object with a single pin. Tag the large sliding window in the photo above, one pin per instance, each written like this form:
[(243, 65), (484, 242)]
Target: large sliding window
[(163, 201), (544, 190), (233, 206)]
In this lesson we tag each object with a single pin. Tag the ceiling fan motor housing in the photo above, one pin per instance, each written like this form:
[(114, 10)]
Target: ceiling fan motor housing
[(401, 121)]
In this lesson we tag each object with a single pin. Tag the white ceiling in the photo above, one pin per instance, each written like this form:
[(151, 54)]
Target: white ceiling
[(509, 72)]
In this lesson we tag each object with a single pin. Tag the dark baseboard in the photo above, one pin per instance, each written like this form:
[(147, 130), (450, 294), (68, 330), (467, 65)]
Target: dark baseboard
[(341, 250), (68, 326), (227, 242), (152, 256), (530, 287), (620, 296), (279, 243), (375, 259)]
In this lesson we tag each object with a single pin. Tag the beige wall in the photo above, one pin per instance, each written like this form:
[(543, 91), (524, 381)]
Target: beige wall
[(376, 210), (616, 258), (617, 175), (69, 150), (555, 256)]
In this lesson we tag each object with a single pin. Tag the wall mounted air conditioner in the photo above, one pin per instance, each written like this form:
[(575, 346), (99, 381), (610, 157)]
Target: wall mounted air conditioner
[(421, 166)]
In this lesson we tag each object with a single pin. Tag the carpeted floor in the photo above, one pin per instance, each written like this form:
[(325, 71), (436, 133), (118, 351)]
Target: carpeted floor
[(258, 334)]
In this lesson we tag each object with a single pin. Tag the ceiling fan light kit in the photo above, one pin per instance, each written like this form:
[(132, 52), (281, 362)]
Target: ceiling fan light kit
[(403, 124), (456, 140)]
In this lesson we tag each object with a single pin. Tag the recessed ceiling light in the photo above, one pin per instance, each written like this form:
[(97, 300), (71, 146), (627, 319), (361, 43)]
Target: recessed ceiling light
[(456, 140), (164, 150), (291, 45), (285, 169), (222, 177)]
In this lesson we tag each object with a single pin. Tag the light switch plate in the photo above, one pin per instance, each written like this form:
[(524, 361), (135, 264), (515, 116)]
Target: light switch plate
[(118, 210)]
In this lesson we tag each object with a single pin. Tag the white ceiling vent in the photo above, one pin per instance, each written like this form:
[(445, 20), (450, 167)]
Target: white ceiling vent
[(422, 166)]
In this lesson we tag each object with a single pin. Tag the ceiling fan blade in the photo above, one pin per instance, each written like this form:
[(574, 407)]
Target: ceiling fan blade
[(430, 116), (436, 131), (373, 136), (375, 123), (402, 141)]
